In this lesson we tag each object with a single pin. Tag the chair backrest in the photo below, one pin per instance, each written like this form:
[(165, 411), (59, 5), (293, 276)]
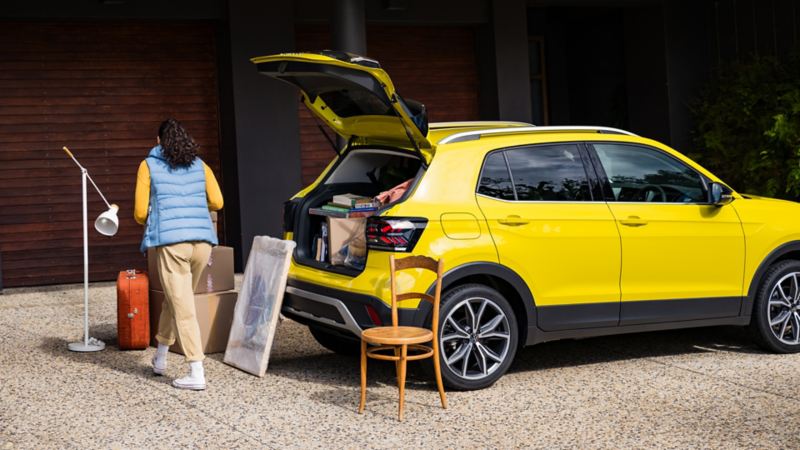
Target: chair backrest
[(417, 262)]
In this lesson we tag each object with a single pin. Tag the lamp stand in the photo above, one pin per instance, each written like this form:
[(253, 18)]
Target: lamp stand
[(88, 344)]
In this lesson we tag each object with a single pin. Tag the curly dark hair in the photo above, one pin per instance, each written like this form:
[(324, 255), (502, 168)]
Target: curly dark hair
[(177, 145)]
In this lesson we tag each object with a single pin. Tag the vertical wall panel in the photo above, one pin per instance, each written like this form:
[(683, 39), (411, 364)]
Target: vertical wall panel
[(102, 89)]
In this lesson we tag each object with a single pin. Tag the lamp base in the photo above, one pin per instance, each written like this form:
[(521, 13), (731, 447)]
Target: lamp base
[(94, 345)]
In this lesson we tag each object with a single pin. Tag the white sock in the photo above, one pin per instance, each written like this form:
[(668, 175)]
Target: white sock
[(196, 369), (161, 351)]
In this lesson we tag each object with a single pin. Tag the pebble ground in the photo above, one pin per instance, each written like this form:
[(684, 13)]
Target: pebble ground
[(703, 388)]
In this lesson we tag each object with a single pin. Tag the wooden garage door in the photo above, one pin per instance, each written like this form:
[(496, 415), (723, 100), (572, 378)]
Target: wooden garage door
[(100, 88), (434, 65)]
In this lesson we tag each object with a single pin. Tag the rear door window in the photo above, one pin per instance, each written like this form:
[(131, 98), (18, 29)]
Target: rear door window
[(548, 173)]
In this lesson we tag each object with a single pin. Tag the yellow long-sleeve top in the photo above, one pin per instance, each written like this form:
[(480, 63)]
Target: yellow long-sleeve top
[(142, 196)]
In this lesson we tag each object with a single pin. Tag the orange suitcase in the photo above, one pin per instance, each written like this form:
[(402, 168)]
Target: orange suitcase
[(133, 317)]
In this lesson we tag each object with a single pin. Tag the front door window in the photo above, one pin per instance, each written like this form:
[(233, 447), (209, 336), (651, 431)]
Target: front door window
[(641, 174)]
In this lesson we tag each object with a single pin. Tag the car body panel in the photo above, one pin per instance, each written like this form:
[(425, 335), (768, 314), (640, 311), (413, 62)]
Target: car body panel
[(367, 108), (558, 241), (767, 224), (680, 251)]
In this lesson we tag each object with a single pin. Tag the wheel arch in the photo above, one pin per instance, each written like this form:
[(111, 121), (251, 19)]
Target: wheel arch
[(788, 250), (498, 277)]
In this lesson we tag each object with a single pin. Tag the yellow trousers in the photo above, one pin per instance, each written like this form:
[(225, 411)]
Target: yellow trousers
[(179, 266)]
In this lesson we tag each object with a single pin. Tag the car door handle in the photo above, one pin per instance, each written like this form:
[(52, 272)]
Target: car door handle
[(633, 221), (513, 221)]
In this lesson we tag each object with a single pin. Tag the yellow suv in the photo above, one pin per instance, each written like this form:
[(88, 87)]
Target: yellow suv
[(546, 232)]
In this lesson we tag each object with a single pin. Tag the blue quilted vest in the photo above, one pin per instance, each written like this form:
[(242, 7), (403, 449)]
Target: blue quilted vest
[(178, 206)]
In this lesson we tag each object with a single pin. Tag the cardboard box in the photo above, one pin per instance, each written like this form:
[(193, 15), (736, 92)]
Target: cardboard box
[(342, 231), (214, 314), (216, 277)]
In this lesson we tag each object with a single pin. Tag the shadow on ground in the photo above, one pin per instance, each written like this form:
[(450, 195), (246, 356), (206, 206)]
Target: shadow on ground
[(131, 362), (338, 370)]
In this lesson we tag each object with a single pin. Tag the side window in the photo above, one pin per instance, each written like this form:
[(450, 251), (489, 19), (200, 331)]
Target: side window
[(495, 180), (640, 174), (549, 173)]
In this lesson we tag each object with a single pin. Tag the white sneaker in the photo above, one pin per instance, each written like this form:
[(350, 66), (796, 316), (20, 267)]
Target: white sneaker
[(195, 381), (191, 383)]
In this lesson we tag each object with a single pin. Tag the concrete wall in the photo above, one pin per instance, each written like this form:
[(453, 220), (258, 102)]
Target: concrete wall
[(510, 33), (266, 123)]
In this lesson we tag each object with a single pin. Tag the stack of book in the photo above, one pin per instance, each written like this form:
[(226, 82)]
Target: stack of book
[(347, 206)]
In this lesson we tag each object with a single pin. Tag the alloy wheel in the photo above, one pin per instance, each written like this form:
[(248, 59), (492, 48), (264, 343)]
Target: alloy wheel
[(783, 311), (475, 338)]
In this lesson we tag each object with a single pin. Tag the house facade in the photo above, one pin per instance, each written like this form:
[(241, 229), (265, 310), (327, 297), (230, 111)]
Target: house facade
[(99, 77)]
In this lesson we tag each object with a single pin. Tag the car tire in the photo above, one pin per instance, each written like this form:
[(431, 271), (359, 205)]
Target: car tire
[(481, 370), (336, 342), (775, 320)]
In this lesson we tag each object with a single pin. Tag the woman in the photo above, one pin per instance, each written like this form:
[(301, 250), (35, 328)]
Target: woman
[(175, 190)]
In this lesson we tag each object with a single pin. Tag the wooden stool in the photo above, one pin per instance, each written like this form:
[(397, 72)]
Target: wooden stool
[(399, 340)]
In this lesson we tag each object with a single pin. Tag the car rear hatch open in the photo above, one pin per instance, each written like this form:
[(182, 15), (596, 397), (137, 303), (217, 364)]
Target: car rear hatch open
[(354, 97)]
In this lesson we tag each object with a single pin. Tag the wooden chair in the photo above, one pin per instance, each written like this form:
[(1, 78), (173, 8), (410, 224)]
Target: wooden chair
[(399, 340)]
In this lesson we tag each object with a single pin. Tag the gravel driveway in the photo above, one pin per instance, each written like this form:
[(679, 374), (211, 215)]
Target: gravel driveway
[(706, 388)]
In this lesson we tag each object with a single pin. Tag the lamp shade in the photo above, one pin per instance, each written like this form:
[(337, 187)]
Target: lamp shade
[(108, 223)]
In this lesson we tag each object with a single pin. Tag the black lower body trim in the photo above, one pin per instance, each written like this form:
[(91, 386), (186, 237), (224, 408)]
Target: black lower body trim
[(573, 317), (656, 311), (602, 319)]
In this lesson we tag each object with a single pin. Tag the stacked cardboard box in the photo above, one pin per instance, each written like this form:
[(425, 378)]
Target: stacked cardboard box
[(214, 300)]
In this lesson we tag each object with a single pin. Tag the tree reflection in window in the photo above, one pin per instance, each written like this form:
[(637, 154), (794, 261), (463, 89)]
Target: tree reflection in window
[(641, 174), (495, 181), (549, 173)]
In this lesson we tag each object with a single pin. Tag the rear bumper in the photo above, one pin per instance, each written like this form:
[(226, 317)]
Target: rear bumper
[(317, 305)]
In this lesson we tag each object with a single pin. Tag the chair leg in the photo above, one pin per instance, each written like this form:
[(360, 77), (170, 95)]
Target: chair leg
[(401, 379), (363, 403), (397, 363), (437, 369)]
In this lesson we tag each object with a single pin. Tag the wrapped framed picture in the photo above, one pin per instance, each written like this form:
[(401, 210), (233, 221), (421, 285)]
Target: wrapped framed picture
[(259, 305)]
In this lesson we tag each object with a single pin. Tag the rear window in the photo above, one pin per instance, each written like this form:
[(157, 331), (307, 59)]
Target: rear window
[(384, 169)]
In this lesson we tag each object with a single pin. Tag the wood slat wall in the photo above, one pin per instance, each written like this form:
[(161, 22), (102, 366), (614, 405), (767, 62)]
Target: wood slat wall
[(431, 64), (102, 89)]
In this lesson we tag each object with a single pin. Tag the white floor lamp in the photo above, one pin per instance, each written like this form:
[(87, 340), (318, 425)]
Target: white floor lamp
[(106, 224)]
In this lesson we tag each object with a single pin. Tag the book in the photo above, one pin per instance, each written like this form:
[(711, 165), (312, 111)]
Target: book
[(357, 207), (327, 213), (330, 207), (343, 214), (350, 200)]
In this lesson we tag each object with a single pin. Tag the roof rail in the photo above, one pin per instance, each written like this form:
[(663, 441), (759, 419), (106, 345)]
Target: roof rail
[(478, 123), (477, 134)]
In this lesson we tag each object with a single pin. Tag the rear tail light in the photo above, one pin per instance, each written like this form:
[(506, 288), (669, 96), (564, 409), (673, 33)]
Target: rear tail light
[(374, 316), (394, 234)]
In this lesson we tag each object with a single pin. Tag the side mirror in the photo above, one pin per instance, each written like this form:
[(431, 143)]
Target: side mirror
[(719, 194)]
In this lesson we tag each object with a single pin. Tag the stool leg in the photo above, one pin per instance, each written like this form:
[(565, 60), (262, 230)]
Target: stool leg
[(363, 403), (437, 369), (401, 378)]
